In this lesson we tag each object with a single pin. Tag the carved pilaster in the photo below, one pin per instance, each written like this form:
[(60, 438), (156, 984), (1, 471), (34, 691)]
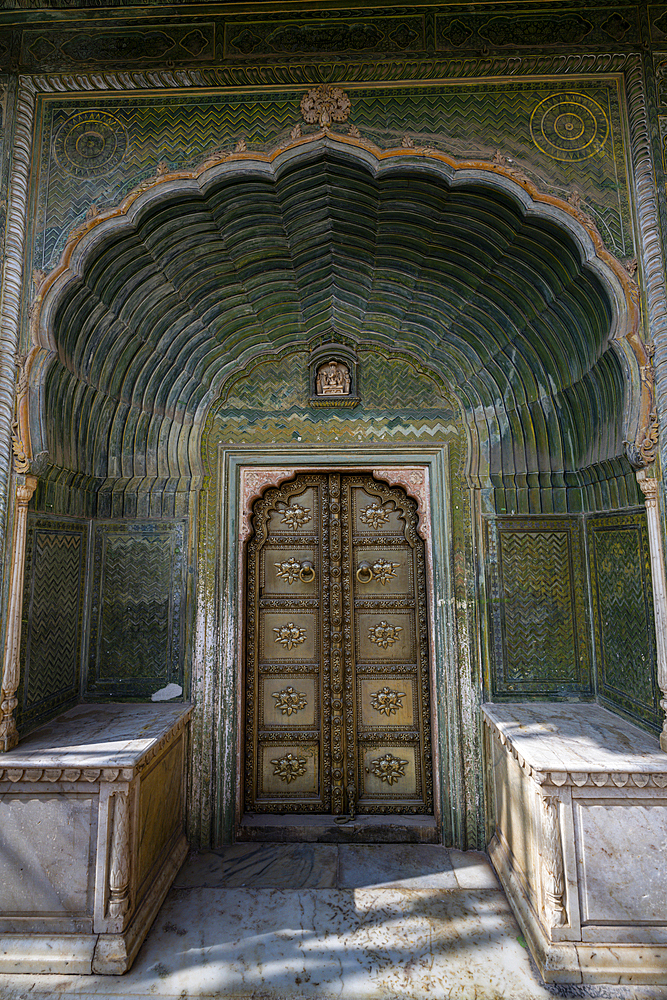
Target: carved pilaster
[(11, 672), (119, 857), (650, 488), (12, 278), (552, 859)]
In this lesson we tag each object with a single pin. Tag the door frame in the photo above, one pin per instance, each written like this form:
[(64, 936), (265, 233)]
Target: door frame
[(242, 473), (413, 480)]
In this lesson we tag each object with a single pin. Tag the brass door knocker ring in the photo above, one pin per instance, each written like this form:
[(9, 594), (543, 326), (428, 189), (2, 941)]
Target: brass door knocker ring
[(307, 572), (364, 572)]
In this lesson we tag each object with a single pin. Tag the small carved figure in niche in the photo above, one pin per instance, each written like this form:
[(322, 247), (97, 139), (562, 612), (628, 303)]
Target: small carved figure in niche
[(333, 379)]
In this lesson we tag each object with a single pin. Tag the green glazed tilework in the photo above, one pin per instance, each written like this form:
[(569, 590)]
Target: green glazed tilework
[(623, 624), (93, 150), (270, 405), (540, 645), (53, 605), (137, 615)]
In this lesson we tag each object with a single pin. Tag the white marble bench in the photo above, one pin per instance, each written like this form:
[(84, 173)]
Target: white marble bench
[(91, 836), (579, 802)]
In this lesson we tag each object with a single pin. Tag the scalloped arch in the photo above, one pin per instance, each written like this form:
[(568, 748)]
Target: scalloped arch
[(499, 290)]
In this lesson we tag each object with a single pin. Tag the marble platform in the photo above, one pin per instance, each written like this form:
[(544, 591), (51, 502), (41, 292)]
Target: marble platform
[(579, 803), (91, 836), (318, 921)]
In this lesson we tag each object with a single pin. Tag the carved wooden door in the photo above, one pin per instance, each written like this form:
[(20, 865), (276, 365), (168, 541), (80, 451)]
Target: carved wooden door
[(337, 716)]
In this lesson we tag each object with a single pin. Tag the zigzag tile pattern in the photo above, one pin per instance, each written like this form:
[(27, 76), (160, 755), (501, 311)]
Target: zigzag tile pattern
[(53, 606), (499, 307), (179, 131), (479, 121), (540, 633), (136, 624), (623, 614), (466, 121)]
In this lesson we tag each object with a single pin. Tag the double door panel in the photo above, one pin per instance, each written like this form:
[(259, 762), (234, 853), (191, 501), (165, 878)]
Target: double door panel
[(336, 686)]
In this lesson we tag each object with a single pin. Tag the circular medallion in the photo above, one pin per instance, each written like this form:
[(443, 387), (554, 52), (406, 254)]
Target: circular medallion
[(569, 126), (90, 143)]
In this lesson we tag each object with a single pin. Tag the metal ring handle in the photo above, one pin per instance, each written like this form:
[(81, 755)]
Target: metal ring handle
[(307, 572), (364, 572)]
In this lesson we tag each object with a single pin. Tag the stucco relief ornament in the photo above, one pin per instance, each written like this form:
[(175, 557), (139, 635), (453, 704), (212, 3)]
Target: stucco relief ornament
[(333, 379), (384, 635), (325, 105), (21, 461), (290, 635), (290, 701), (290, 767), (388, 768)]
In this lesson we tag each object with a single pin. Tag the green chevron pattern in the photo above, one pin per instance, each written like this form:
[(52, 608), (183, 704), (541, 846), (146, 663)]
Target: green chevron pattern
[(136, 634), (53, 606), (538, 589), (270, 405), (471, 121), (623, 614)]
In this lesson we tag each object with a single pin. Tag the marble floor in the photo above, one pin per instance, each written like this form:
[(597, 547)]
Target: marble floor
[(320, 921)]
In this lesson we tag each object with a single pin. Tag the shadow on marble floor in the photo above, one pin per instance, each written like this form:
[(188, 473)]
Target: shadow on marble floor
[(328, 866), (321, 921)]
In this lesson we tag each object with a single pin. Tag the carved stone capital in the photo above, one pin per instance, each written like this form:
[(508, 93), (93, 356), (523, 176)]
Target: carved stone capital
[(649, 487)]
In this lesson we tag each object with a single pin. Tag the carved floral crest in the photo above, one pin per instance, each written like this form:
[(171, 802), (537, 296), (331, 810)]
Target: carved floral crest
[(290, 635), (295, 517), (374, 515), (325, 105), (288, 570), (388, 768), (290, 767), (384, 634), (386, 701), (290, 701)]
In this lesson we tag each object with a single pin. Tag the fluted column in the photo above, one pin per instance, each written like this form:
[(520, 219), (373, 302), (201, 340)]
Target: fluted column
[(11, 673), (650, 488)]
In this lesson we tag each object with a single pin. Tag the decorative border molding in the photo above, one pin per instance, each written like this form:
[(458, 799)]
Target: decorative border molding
[(362, 73), (25, 772), (415, 481), (590, 778)]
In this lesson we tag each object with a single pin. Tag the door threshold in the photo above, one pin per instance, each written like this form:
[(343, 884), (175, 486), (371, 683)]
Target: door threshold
[(324, 829)]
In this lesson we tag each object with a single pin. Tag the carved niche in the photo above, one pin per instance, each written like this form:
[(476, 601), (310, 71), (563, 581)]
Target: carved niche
[(333, 376)]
